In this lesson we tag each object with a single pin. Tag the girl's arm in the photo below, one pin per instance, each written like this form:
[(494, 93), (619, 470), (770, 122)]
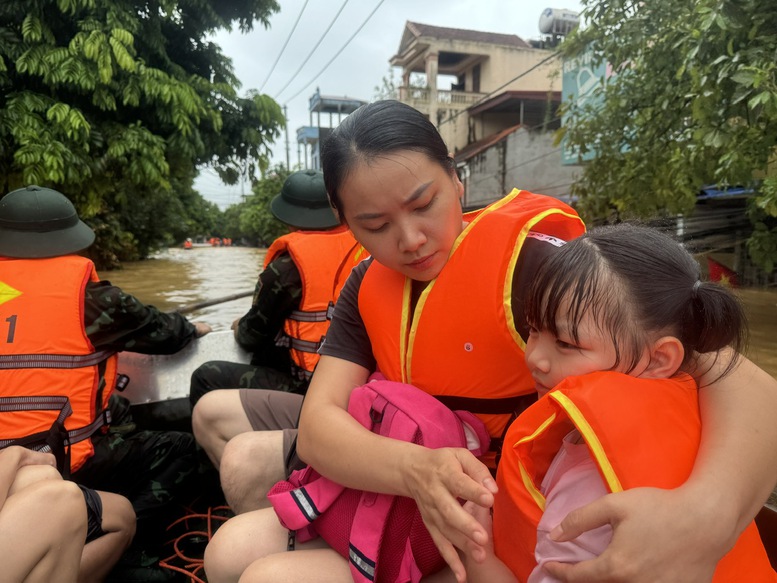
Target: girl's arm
[(481, 564), (679, 535), (340, 448)]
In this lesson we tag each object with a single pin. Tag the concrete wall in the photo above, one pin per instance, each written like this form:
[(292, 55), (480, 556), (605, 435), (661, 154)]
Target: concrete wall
[(525, 160), (504, 64)]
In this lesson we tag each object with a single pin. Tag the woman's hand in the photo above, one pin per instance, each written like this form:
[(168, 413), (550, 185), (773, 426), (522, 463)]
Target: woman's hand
[(660, 536), (437, 479)]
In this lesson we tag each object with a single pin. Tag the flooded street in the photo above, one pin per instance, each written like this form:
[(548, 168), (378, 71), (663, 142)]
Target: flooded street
[(177, 277)]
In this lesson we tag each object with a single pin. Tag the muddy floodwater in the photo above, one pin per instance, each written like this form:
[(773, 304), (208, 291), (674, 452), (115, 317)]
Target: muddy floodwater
[(178, 277)]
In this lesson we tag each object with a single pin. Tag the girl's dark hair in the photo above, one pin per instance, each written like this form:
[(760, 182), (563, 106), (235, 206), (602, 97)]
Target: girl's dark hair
[(636, 281), (373, 130)]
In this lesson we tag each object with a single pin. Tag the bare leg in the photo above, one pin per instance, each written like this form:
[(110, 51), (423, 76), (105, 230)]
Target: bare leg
[(118, 523), (320, 565), (29, 475), (258, 536), (42, 532), (250, 465), (100, 555), (218, 417)]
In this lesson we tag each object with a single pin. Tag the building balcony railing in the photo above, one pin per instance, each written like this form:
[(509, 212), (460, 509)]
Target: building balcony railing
[(420, 98)]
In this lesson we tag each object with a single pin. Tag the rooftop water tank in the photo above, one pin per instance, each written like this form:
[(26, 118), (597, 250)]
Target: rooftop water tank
[(558, 21)]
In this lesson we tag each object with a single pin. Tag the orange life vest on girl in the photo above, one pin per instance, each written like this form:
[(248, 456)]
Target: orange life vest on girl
[(46, 354), (461, 341), (324, 260), (640, 432)]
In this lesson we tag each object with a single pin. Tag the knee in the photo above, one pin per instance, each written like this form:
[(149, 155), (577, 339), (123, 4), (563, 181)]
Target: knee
[(258, 453), (118, 516), (264, 570), (204, 415), (198, 385), (28, 475), (250, 465), (66, 503), (221, 565)]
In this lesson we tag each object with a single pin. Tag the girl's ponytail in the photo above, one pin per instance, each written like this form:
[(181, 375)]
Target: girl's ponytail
[(715, 319)]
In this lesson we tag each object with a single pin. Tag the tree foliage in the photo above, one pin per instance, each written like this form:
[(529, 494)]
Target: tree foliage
[(116, 102), (692, 101)]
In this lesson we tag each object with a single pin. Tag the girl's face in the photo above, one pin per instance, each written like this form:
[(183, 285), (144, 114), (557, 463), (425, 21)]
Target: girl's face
[(406, 210), (552, 358)]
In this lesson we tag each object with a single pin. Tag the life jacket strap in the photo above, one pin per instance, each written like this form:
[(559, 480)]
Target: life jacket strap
[(286, 341), (14, 361), (300, 316), (512, 406), (56, 439), (503, 406)]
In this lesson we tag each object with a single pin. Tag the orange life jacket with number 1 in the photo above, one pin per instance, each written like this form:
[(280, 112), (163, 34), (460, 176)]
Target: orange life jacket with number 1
[(46, 353)]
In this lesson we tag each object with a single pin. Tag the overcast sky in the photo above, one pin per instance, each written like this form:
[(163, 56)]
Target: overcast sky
[(361, 63)]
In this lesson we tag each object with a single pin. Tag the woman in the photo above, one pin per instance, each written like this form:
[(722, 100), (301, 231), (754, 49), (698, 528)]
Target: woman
[(412, 309)]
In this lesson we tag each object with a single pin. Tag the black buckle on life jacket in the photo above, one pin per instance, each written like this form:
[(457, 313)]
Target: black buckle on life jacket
[(122, 381)]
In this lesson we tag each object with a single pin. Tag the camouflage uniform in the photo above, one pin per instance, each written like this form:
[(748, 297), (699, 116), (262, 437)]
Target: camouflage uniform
[(278, 293), (155, 470)]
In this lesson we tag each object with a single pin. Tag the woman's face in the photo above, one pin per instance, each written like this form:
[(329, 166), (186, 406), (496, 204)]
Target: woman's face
[(406, 210)]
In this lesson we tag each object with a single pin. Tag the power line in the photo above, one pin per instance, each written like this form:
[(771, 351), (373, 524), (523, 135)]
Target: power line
[(313, 50), (283, 48), (358, 30)]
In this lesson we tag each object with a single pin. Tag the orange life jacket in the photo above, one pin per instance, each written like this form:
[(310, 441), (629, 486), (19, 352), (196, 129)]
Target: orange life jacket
[(461, 341), (640, 432), (46, 354), (324, 260)]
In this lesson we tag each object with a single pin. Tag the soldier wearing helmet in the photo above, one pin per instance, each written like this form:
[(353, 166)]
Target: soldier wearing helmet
[(63, 328)]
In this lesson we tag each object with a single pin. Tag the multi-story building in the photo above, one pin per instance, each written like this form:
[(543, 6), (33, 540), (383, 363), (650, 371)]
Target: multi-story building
[(310, 138), (498, 111)]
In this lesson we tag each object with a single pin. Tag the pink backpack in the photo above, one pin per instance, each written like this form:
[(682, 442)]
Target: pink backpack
[(382, 536)]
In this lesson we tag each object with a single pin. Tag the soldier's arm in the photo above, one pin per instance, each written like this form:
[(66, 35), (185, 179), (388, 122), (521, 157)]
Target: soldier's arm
[(119, 321), (278, 293)]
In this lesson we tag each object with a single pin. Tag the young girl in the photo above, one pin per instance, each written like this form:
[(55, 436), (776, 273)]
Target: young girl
[(623, 307)]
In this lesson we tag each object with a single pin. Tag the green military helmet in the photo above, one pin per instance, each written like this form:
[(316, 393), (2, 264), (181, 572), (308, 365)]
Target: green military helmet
[(40, 222), (303, 203)]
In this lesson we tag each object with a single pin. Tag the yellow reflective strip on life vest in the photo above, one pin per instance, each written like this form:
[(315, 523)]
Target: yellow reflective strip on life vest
[(590, 438), (7, 293), (488, 210), (407, 369), (539, 499), (403, 332), (507, 298), (531, 488)]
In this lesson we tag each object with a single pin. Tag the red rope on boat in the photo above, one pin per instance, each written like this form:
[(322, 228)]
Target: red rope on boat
[(179, 562)]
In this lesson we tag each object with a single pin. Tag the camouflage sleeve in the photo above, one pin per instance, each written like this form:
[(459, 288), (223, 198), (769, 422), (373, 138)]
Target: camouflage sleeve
[(116, 320), (278, 293)]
